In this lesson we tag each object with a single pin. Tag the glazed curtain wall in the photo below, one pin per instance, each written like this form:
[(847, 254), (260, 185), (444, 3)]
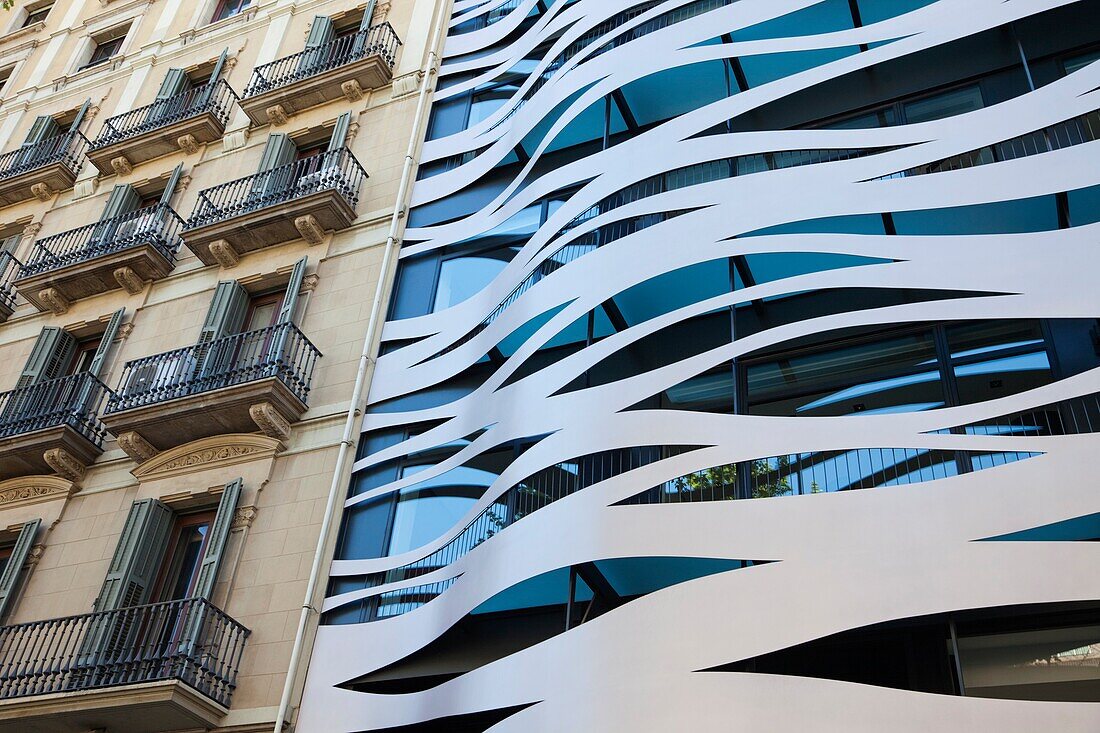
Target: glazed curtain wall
[(724, 329)]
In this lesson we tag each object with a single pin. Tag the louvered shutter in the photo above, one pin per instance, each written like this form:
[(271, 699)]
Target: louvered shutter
[(224, 317), (138, 556), (124, 198), (44, 127), (13, 571), (219, 66), (175, 81), (339, 135), (279, 153), (280, 150), (320, 34), (80, 115), (290, 300), (219, 534), (359, 45), (52, 352), (109, 335), (170, 187)]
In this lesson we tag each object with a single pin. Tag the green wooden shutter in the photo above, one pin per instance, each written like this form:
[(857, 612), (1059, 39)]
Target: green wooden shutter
[(225, 317), (170, 187), (124, 198), (290, 300), (109, 335), (219, 534), (13, 571), (339, 134), (44, 127), (80, 115), (279, 153), (368, 15), (52, 352), (320, 34), (175, 81), (138, 556), (219, 65)]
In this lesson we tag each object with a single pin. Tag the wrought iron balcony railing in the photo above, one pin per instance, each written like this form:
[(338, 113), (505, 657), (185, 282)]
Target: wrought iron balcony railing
[(380, 40), (188, 640), (67, 149), (280, 351), (158, 226), (335, 170), (72, 401), (217, 98), (9, 270)]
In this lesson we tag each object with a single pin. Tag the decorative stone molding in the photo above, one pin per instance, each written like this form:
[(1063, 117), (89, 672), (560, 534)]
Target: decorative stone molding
[(187, 143), (353, 130), (121, 166), (234, 140), (54, 300), (223, 252), (310, 229), (406, 84), (352, 91), (276, 115), (42, 192), (381, 10), (136, 447), (268, 420), (309, 283), (124, 331), (218, 451), (33, 489), (243, 517), (35, 554), (85, 188), (31, 230), (130, 281), (64, 464)]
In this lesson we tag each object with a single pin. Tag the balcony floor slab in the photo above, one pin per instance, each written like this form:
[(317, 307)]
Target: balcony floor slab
[(94, 276), (204, 128)]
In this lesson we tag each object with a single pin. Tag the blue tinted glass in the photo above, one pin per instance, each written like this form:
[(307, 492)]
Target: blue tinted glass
[(855, 224), (772, 66), (462, 277), (872, 11), (428, 509), (1079, 62), (947, 104), (1084, 206), (548, 589), (365, 530), (672, 290), (415, 278), (635, 576), (448, 117), (666, 94), (778, 265), (824, 17), (511, 343), (1003, 217)]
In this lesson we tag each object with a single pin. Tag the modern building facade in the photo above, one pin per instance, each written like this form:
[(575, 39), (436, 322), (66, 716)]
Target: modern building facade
[(194, 202), (740, 373)]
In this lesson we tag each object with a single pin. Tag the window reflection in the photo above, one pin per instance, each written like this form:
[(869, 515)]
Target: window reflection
[(1049, 664)]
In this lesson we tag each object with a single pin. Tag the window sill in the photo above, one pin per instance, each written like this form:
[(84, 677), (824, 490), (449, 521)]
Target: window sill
[(242, 17), (18, 33)]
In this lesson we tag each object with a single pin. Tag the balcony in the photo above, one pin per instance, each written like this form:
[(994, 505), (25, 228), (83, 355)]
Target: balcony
[(300, 200), (143, 669), (9, 271), (42, 169), (235, 384), (122, 252), (51, 426), (344, 67), (182, 122)]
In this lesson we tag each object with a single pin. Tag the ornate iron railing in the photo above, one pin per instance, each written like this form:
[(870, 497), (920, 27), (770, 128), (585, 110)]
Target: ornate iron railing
[(189, 640), (336, 170), (10, 269), (158, 226), (380, 40), (216, 98), (73, 401), (67, 148), (280, 351)]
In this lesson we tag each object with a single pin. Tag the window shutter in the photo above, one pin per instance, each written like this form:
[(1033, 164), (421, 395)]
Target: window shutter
[(44, 127), (339, 133), (359, 44), (320, 34), (219, 65), (137, 558), (170, 187), (52, 352), (368, 15), (226, 312), (13, 571), (290, 300), (219, 534), (123, 199), (79, 119), (280, 150), (10, 244), (109, 335), (175, 82)]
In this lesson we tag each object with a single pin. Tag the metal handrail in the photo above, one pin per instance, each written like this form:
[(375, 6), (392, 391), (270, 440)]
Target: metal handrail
[(380, 40), (72, 401), (336, 170), (216, 98), (157, 226), (10, 269), (189, 640), (280, 351), (67, 148)]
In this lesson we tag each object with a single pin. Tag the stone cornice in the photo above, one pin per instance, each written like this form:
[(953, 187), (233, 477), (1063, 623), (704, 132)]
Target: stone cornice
[(218, 451), (25, 490)]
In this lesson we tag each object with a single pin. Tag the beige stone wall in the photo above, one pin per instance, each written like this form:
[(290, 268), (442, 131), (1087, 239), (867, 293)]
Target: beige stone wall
[(264, 572)]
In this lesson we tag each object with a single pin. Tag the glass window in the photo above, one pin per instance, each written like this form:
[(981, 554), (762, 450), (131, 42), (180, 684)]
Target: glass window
[(946, 104), (872, 11), (884, 117), (997, 358), (463, 277), (104, 51), (1003, 217), (1079, 62), (229, 8), (1084, 206), (37, 15), (897, 374)]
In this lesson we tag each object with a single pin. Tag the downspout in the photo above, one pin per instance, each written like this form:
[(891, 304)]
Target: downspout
[(345, 457)]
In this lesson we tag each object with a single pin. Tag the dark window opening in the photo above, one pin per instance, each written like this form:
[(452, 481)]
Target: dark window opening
[(229, 8)]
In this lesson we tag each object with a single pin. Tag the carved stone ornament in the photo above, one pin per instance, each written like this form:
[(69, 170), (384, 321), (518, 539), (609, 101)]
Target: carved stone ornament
[(406, 84), (310, 229), (309, 283), (381, 10), (270, 421), (276, 115), (31, 230), (54, 300), (129, 280), (352, 91), (217, 451), (42, 192), (122, 166), (223, 252), (188, 144), (64, 464), (243, 517), (33, 489), (135, 446)]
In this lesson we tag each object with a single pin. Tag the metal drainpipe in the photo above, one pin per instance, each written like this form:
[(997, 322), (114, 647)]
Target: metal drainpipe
[(345, 456)]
